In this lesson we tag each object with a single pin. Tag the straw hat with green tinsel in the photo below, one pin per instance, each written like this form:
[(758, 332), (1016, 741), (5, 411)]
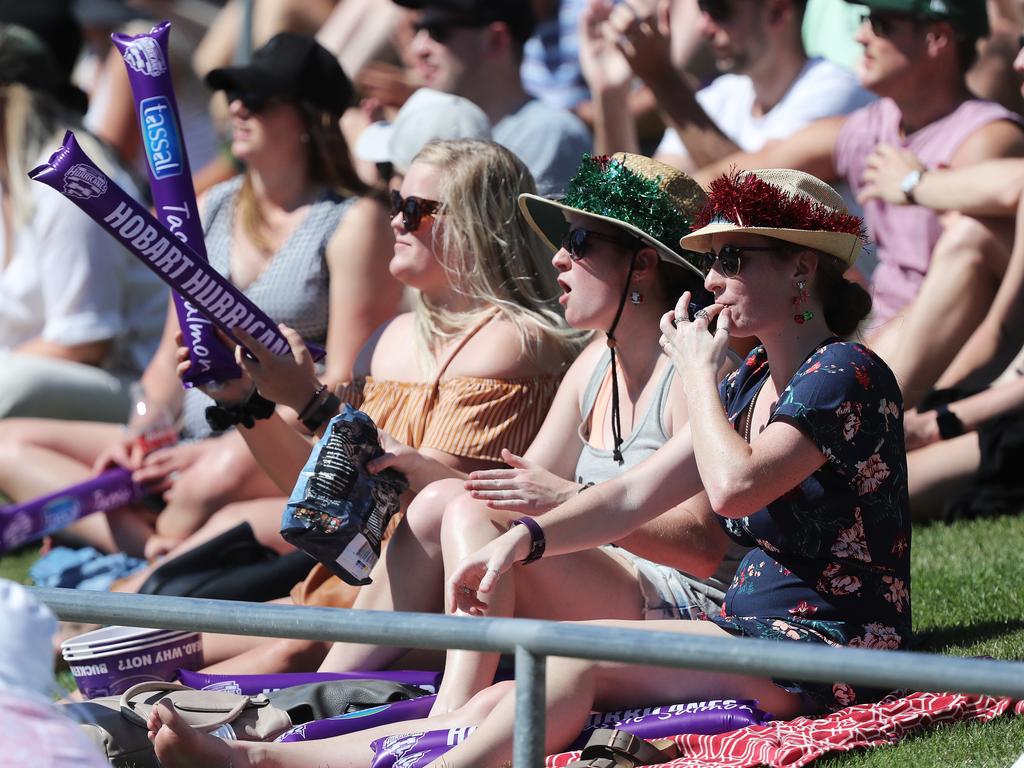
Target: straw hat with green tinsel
[(653, 201)]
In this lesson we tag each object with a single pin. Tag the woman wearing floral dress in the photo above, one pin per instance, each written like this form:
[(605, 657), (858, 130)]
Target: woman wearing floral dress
[(801, 457)]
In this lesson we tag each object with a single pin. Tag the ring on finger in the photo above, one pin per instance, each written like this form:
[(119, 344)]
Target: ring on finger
[(701, 313)]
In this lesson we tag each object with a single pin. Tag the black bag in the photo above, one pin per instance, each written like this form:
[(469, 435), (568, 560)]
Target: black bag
[(318, 701), (231, 566)]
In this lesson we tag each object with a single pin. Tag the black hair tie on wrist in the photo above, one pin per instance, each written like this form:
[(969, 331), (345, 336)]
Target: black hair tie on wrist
[(246, 413)]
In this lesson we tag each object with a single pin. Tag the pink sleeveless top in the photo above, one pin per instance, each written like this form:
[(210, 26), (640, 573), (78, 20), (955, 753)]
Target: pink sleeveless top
[(905, 234)]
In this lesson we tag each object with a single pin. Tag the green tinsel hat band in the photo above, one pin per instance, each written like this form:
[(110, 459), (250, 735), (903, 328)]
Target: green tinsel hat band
[(655, 202), (655, 198)]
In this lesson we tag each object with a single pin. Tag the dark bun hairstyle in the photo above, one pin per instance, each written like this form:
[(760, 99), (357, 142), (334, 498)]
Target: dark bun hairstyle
[(845, 303)]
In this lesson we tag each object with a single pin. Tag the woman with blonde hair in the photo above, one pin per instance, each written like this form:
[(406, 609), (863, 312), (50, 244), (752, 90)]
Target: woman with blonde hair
[(469, 371)]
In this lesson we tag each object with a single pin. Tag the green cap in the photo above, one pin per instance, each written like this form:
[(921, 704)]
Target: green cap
[(968, 17)]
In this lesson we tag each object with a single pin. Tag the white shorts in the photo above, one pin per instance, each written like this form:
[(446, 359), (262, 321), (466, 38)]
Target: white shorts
[(668, 593)]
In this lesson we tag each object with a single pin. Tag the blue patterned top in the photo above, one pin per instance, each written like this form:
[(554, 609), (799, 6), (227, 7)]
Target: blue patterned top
[(831, 558)]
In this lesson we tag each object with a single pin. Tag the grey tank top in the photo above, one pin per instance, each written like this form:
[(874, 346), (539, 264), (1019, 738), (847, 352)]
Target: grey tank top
[(292, 289), (596, 465)]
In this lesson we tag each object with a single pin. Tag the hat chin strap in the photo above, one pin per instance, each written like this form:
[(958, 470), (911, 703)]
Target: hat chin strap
[(611, 341)]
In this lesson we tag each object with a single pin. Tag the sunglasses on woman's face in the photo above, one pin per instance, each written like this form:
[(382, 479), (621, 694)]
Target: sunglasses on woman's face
[(575, 242), (253, 102), (728, 257), (413, 209)]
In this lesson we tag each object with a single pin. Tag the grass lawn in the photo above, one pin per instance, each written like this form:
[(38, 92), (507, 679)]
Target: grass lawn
[(968, 600)]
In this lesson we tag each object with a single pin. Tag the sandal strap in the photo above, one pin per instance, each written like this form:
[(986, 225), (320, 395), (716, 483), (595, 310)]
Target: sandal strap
[(607, 742)]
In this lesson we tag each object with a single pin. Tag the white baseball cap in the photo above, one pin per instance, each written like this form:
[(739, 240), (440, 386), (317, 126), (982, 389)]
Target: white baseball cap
[(427, 115), (26, 650)]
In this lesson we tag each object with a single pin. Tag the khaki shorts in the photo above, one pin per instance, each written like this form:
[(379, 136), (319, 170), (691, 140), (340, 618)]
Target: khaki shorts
[(668, 593)]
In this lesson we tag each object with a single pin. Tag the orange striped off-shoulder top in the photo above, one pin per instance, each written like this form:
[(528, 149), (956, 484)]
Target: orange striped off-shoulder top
[(463, 415)]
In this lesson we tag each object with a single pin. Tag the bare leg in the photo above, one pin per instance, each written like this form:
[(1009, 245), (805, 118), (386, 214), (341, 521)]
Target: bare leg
[(967, 266), (938, 471), (180, 746), (410, 576), (227, 473), (1001, 334), (40, 456), (577, 587), (576, 686)]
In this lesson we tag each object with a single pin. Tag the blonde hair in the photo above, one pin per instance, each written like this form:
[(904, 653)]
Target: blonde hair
[(489, 252), (32, 124)]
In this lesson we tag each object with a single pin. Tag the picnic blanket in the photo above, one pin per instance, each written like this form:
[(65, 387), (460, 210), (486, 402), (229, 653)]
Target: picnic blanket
[(797, 742)]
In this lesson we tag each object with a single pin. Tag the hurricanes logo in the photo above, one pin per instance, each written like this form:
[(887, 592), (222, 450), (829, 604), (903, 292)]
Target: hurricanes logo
[(84, 182), (18, 531), (144, 56)]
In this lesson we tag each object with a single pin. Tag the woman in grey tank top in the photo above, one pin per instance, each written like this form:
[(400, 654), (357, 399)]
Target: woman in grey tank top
[(617, 278), (298, 217)]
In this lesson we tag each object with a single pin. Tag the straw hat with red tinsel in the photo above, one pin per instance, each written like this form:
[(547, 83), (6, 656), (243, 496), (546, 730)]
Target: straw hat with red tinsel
[(782, 204)]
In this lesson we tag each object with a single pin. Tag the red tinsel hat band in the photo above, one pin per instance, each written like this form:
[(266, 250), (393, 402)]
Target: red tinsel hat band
[(783, 204)]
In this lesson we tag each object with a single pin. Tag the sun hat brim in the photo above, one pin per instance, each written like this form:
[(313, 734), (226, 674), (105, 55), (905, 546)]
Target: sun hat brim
[(841, 245), (546, 218)]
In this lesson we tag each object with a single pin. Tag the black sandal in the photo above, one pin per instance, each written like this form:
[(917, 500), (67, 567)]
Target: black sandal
[(610, 748)]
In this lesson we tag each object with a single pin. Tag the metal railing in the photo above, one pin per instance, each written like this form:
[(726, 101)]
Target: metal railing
[(532, 641)]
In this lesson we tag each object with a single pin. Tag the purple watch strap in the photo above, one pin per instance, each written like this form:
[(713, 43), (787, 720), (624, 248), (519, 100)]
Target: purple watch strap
[(537, 542)]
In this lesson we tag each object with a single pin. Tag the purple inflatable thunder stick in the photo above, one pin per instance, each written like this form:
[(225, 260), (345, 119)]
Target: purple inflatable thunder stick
[(70, 171), (251, 685), (170, 181), (31, 520)]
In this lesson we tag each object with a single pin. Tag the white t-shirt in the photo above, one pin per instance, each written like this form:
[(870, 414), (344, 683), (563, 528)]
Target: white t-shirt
[(68, 281), (822, 89)]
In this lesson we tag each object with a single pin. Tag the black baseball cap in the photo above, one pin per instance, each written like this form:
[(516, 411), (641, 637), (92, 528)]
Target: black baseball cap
[(517, 14), (26, 59), (293, 66)]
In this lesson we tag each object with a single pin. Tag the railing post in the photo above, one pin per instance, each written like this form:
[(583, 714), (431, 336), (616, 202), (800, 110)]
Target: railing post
[(528, 746)]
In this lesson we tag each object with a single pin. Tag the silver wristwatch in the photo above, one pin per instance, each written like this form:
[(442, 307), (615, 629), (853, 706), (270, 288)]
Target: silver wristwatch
[(909, 184)]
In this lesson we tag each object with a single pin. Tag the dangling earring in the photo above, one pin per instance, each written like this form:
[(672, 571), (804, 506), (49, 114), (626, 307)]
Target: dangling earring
[(799, 301), (635, 297)]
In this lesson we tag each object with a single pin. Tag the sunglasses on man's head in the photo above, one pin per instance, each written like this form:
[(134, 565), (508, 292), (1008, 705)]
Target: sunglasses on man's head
[(575, 242), (728, 257), (883, 24), (440, 30), (413, 209)]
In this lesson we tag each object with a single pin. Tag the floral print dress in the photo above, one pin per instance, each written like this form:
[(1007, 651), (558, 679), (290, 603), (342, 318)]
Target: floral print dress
[(831, 558)]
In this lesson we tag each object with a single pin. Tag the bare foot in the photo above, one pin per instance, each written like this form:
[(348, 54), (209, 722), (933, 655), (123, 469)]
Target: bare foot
[(179, 745)]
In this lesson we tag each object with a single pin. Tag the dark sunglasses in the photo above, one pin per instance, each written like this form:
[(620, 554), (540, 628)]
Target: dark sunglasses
[(719, 11), (413, 209), (883, 23), (254, 103), (441, 31), (728, 257), (575, 242)]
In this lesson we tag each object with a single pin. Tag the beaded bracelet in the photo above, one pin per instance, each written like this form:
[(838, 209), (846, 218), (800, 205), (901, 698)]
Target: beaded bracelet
[(313, 402)]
